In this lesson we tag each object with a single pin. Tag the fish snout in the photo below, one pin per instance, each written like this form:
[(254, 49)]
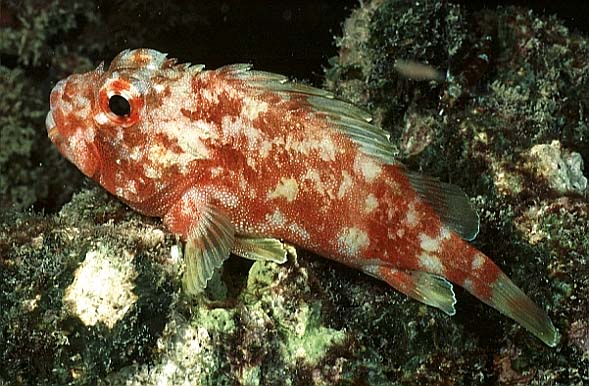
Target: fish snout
[(57, 93), (69, 124), (54, 105)]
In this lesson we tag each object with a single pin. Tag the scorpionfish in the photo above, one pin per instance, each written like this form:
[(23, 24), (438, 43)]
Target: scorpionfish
[(241, 161)]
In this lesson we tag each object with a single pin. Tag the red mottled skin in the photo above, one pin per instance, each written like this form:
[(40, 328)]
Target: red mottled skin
[(270, 160)]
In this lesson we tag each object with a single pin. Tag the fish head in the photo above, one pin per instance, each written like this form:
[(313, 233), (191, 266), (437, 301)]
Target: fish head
[(103, 121)]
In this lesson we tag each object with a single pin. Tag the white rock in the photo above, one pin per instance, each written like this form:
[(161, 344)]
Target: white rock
[(562, 169)]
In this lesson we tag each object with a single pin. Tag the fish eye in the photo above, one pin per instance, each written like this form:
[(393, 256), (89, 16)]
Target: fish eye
[(119, 105)]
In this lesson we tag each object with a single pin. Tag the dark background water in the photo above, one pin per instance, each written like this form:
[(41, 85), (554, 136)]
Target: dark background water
[(290, 37)]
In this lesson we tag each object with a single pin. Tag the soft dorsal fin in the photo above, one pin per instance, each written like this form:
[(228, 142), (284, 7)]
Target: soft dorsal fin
[(449, 202)]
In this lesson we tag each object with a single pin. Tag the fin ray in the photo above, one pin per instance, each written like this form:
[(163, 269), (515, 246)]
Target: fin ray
[(260, 248), (449, 202), (345, 117), (424, 287), (435, 291), (207, 247)]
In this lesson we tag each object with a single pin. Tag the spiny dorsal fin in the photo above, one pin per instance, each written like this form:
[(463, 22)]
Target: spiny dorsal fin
[(344, 117), (449, 202)]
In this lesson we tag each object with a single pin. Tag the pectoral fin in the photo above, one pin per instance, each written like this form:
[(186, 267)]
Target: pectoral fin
[(208, 245), (429, 289), (260, 248)]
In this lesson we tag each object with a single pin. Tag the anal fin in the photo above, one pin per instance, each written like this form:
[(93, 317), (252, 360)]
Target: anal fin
[(424, 287)]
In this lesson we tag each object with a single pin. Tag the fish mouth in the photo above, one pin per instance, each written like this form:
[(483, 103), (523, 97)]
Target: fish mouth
[(54, 101), (52, 131)]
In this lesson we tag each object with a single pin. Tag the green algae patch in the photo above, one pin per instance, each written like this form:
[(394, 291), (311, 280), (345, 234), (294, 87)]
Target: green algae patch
[(278, 300), (261, 276), (219, 320), (308, 340)]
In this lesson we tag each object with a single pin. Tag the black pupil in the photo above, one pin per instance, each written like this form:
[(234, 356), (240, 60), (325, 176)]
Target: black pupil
[(119, 106)]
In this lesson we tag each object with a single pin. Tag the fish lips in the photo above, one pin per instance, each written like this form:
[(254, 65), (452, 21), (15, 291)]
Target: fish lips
[(52, 129)]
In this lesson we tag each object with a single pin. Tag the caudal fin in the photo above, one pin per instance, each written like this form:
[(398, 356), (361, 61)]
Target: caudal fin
[(488, 283), (513, 302)]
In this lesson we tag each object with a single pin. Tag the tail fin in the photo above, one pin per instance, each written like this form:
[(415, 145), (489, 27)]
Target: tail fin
[(513, 302), (482, 278)]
